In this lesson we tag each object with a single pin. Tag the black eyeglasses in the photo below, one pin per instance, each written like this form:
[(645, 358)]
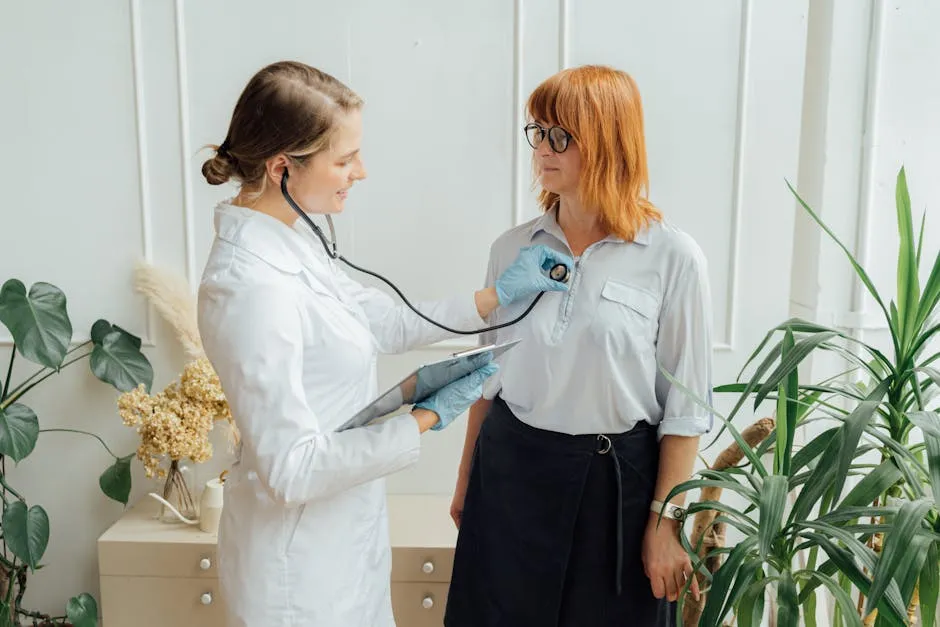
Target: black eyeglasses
[(557, 136)]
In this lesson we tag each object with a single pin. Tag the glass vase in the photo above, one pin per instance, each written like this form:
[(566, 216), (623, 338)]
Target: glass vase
[(178, 492)]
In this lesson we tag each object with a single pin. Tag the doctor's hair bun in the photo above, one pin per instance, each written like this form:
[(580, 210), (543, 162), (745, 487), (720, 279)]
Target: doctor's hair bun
[(220, 168)]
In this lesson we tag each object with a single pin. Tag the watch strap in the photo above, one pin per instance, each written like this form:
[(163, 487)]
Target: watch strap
[(671, 510)]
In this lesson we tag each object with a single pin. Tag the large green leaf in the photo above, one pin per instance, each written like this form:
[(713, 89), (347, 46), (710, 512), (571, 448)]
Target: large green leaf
[(932, 373), (920, 237), (915, 554), (855, 425), (747, 525), (38, 321), (809, 609), (813, 449), (117, 360), (818, 483), (102, 327), (753, 383), (930, 586), (750, 610), (922, 341), (928, 302), (859, 270), (26, 532), (840, 595), (932, 447), (788, 608), (908, 281), (928, 421), (848, 514), (902, 453), (19, 430), (751, 570), (773, 500), (715, 607), (891, 566), (846, 561), (787, 410), (115, 482), (82, 611), (790, 361)]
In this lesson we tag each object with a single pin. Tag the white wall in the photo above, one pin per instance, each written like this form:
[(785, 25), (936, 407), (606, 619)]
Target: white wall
[(107, 103)]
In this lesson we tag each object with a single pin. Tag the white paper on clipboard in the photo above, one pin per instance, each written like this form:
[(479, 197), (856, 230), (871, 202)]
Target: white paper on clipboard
[(424, 381)]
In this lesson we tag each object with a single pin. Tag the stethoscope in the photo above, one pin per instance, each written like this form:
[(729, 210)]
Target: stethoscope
[(558, 272)]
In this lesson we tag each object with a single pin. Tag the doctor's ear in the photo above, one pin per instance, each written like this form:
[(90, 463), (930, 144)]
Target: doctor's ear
[(275, 166)]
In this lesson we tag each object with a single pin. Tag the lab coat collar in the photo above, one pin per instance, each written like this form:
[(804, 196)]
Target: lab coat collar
[(263, 236), (548, 222)]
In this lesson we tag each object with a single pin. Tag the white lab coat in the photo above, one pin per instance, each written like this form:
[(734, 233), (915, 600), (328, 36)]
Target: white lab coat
[(303, 540)]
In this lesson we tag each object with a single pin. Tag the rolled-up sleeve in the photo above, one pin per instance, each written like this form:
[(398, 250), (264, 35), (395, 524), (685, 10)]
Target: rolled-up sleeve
[(684, 349), (254, 342)]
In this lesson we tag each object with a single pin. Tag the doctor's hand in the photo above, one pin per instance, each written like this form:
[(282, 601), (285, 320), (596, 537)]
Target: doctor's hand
[(528, 274), (457, 397)]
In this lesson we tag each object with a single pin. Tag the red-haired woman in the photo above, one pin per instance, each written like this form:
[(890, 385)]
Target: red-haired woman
[(580, 438)]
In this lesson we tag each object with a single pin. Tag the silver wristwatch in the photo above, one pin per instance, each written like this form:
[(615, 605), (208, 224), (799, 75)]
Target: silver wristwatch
[(672, 511)]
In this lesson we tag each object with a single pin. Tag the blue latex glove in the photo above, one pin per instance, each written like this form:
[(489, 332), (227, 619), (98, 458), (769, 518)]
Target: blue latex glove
[(434, 378), (455, 398), (528, 274)]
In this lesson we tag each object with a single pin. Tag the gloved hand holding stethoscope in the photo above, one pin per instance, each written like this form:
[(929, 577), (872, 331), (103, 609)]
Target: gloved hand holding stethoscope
[(537, 269)]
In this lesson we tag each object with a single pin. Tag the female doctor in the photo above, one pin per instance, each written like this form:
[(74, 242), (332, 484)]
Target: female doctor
[(303, 539)]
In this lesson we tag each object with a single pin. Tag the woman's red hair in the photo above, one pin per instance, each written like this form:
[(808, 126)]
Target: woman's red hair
[(601, 108)]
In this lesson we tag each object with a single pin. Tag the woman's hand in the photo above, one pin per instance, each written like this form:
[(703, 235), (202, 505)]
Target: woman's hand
[(460, 493), (665, 561)]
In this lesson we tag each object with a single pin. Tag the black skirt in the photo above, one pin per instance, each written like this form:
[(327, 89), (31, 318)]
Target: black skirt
[(552, 529)]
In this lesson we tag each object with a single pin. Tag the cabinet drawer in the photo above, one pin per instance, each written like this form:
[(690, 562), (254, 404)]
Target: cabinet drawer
[(418, 604), (152, 559), (418, 564), (161, 602)]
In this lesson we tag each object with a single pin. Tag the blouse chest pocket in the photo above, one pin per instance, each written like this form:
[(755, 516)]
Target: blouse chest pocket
[(627, 317)]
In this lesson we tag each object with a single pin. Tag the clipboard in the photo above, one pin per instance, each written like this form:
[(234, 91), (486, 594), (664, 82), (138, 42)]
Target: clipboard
[(424, 381)]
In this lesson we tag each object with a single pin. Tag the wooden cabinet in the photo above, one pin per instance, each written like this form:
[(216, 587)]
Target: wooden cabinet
[(157, 574), (423, 539)]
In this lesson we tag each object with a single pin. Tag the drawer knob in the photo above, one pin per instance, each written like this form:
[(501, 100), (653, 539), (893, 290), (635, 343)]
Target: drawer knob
[(427, 602), (428, 567), (206, 598), (205, 563)]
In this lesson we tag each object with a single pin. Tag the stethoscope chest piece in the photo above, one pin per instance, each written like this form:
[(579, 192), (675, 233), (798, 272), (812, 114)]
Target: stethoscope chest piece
[(559, 273)]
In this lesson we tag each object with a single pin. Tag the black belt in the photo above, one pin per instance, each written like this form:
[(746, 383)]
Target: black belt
[(604, 447)]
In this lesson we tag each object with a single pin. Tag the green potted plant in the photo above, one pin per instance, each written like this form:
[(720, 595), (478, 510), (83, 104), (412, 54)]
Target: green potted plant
[(881, 539), (39, 323)]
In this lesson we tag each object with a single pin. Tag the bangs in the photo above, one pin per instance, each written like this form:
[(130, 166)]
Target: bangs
[(555, 102)]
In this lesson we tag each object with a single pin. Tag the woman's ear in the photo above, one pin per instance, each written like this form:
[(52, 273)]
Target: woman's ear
[(274, 168)]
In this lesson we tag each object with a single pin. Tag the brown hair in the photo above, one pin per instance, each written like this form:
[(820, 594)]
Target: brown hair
[(601, 108), (287, 107)]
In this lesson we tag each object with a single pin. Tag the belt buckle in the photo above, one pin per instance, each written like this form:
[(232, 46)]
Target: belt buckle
[(603, 444)]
